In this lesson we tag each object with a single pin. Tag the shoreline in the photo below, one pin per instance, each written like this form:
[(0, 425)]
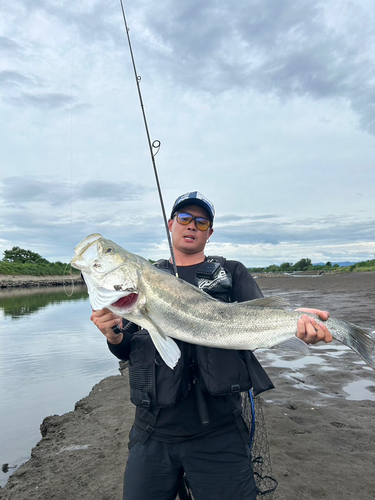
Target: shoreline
[(28, 281), (320, 443)]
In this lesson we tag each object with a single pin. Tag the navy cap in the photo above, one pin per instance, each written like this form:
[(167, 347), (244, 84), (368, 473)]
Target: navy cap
[(194, 198)]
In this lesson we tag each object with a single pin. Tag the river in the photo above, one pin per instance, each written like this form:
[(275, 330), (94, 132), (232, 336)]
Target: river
[(51, 355)]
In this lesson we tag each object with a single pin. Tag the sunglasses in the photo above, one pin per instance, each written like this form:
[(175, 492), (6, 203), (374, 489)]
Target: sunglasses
[(201, 223)]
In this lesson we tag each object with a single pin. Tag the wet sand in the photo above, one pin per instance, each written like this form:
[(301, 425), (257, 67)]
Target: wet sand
[(321, 441)]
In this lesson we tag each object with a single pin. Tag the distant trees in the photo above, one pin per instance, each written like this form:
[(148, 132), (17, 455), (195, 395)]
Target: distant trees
[(286, 266), (306, 265), (20, 255), (302, 265), (21, 261)]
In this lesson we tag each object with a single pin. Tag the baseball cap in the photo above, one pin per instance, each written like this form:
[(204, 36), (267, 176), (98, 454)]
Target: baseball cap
[(194, 198)]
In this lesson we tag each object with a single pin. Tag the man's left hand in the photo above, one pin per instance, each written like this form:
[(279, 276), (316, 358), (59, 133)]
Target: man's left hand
[(309, 330)]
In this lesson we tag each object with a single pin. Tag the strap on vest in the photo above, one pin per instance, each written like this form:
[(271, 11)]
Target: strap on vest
[(142, 397), (142, 437), (237, 413)]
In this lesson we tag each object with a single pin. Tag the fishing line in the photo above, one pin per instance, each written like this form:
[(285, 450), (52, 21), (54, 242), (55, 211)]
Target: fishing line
[(71, 150), (153, 146)]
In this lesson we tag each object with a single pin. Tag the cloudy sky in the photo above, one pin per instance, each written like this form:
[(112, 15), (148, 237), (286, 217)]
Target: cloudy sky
[(265, 106)]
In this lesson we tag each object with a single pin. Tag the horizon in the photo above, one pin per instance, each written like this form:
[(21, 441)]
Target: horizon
[(341, 263)]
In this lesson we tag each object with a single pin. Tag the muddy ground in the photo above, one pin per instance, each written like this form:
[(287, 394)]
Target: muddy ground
[(321, 442)]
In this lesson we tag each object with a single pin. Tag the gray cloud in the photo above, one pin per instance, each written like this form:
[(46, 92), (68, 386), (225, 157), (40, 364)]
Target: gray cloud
[(14, 79), (229, 218), (92, 22), (298, 231), (21, 191), (123, 191), (7, 45), (284, 48), (42, 100), (57, 235), (61, 232)]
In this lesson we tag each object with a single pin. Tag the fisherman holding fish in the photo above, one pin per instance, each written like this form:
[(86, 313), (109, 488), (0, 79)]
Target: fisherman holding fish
[(188, 419)]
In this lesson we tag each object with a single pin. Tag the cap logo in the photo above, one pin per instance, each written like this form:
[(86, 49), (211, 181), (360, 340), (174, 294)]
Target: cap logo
[(194, 196)]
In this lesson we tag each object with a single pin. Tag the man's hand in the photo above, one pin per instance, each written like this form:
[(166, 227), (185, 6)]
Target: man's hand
[(105, 320), (310, 331)]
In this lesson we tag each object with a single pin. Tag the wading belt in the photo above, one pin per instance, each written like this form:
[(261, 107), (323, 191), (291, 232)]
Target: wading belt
[(143, 436)]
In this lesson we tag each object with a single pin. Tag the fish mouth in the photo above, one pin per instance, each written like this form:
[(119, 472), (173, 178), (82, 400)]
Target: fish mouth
[(126, 302)]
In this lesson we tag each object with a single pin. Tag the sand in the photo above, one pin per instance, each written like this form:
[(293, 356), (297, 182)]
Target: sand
[(321, 443)]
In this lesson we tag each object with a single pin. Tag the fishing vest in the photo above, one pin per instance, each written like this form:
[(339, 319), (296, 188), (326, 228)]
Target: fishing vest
[(221, 372)]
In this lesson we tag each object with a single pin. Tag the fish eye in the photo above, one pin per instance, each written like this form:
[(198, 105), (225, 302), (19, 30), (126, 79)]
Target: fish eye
[(108, 250)]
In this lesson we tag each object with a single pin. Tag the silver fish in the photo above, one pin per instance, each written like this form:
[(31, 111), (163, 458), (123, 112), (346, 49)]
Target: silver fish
[(168, 307)]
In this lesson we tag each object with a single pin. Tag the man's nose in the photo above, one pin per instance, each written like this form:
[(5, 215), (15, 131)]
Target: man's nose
[(192, 226)]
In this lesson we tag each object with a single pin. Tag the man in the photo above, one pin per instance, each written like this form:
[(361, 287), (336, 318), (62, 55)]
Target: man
[(188, 419)]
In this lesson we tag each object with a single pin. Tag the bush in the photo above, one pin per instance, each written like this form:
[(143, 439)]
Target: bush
[(48, 269)]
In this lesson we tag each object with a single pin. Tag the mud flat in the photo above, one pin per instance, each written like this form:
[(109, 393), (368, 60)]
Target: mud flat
[(320, 418)]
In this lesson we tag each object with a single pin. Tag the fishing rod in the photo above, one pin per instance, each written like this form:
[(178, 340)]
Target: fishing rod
[(153, 146)]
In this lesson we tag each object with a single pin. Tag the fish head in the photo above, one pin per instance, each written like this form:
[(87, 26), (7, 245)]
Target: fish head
[(111, 273)]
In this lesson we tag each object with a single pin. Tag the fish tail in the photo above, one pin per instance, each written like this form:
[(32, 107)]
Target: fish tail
[(357, 339)]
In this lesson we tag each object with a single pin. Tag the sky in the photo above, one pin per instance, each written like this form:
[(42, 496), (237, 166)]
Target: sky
[(266, 107)]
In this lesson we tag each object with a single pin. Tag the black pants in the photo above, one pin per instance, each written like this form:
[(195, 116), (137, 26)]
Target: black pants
[(217, 468)]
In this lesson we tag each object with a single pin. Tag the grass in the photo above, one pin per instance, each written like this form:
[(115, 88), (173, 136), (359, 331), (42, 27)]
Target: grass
[(45, 269)]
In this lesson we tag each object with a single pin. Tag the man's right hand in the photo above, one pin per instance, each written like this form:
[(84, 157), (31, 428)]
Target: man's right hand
[(105, 320)]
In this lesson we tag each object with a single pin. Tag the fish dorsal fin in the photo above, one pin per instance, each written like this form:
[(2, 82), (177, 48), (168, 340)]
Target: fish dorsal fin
[(274, 302), (294, 344), (166, 346)]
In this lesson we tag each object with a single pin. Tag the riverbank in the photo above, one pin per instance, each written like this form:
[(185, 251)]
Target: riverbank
[(26, 281), (23, 281), (321, 446), (319, 418)]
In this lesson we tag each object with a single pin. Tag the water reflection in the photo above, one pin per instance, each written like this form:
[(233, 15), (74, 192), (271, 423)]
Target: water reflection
[(51, 355), (17, 302)]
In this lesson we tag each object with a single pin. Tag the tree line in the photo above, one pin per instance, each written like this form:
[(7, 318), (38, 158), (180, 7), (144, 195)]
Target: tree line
[(306, 265), (21, 261)]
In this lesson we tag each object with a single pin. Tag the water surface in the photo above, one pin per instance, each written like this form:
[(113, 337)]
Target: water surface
[(51, 355)]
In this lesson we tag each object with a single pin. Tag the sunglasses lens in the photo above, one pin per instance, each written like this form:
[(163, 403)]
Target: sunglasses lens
[(184, 219), (202, 224)]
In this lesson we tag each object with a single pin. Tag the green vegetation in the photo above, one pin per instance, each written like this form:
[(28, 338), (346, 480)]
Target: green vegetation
[(307, 265), (19, 261), (367, 265)]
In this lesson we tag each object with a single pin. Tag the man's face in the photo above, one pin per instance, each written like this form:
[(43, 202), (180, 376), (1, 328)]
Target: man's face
[(188, 239)]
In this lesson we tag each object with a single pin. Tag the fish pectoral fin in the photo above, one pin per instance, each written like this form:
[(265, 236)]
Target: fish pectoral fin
[(294, 344), (274, 302), (166, 346)]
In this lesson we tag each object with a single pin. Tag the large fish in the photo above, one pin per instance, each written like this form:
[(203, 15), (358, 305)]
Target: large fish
[(166, 306)]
